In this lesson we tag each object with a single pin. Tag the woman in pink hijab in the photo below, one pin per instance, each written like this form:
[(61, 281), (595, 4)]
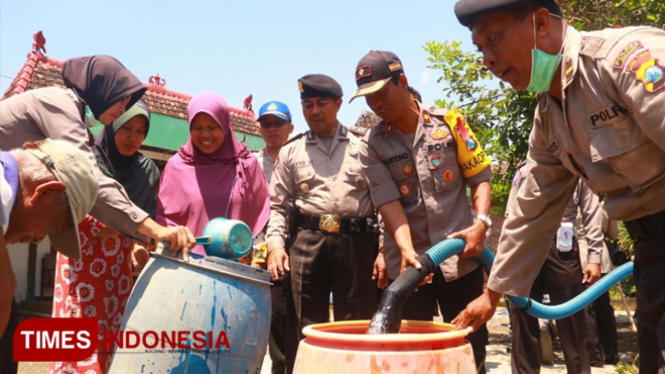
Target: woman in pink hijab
[(213, 175)]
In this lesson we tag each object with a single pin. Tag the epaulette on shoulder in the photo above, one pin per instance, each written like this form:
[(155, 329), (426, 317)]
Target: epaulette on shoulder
[(359, 130), (295, 138), (438, 111)]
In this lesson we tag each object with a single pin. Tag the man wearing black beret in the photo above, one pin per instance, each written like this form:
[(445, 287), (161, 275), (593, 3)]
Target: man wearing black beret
[(599, 118), (335, 246)]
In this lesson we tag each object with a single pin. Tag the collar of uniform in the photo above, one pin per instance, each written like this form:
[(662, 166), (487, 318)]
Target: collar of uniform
[(343, 131), (571, 55), (340, 133), (425, 116)]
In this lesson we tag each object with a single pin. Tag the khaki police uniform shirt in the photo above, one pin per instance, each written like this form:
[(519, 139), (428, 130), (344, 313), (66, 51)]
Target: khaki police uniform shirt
[(427, 178), (266, 162), (591, 219), (56, 113), (321, 181), (609, 130)]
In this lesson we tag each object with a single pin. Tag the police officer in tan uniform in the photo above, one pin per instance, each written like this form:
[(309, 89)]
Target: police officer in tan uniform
[(599, 118), (334, 247), (275, 126), (562, 277), (419, 161)]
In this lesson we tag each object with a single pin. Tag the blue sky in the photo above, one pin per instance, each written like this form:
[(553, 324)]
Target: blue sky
[(235, 48)]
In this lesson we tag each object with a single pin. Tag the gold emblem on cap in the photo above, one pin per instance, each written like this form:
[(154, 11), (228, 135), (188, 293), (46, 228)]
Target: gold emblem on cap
[(361, 71), (272, 106), (304, 188), (300, 87), (394, 66)]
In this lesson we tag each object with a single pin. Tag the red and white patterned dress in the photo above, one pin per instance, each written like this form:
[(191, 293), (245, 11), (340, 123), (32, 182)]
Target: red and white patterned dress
[(97, 286)]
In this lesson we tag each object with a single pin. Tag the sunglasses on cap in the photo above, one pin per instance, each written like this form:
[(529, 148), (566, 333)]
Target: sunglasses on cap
[(278, 124)]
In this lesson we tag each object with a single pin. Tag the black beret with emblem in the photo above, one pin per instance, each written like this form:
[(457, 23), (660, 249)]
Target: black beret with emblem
[(319, 85), (468, 11), (375, 70)]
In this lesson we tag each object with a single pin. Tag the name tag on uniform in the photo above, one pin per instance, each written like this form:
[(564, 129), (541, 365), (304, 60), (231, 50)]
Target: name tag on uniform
[(565, 237)]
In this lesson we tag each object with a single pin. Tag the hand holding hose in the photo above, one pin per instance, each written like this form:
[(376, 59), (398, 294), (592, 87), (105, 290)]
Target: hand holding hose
[(474, 236)]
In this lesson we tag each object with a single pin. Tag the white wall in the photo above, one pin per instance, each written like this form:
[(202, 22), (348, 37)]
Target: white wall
[(19, 257)]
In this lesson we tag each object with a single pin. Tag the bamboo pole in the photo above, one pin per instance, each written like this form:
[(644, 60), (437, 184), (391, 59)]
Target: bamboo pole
[(633, 328)]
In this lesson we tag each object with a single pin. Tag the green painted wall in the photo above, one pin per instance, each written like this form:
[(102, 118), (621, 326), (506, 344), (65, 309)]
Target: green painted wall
[(170, 133)]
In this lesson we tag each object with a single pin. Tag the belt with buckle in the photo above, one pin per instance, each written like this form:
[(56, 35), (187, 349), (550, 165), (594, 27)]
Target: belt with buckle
[(332, 223), (646, 227)]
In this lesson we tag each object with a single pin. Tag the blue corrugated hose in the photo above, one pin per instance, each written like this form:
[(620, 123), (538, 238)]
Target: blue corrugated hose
[(451, 247)]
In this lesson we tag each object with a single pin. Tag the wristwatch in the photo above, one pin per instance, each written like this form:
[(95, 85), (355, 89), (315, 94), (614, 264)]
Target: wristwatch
[(485, 219)]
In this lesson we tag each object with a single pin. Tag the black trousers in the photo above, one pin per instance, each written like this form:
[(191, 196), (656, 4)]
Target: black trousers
[(560, 277), (601, 328), (452, 298), (649, 277), (341, 263), (283, 342), (7, 364)]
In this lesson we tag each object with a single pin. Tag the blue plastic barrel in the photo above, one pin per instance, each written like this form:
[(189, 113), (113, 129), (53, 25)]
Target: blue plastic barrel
[(212, 295)]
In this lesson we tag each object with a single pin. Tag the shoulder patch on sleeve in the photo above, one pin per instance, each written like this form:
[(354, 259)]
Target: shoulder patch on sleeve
[(294, 138), (626, 52), (649, 71), (438, 111), (470, 154)]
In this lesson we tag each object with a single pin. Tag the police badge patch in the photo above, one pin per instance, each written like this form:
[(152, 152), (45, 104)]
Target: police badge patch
[(404, 190), (435, 160), (650, 74), (440, 134), (448, 175), (625, 53)]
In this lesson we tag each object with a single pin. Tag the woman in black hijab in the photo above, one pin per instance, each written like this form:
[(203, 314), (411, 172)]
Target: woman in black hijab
[(108, 89), (104, 84)]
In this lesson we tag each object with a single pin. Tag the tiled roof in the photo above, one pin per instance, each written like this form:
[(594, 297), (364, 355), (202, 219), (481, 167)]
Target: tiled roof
[(42, 71), (367, 119)]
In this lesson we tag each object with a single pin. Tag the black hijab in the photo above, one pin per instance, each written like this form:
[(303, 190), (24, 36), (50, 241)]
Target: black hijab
[(101, 81), (138, 174)]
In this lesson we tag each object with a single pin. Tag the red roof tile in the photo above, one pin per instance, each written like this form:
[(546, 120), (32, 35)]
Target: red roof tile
[(42, 71)]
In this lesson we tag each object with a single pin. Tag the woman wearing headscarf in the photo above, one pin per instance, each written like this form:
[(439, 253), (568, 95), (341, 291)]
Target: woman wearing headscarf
[(213, 175), (98, 285), (105, 87)]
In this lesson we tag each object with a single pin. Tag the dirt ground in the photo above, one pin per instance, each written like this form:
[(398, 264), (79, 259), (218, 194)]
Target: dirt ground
[(498, 356)]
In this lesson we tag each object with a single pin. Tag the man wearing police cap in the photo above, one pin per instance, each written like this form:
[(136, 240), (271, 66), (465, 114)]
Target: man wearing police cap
[(418, 161), (334, 247), (599, 118)]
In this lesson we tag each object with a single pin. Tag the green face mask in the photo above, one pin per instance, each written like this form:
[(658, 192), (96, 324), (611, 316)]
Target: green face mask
[(90, 120), (543, 65)]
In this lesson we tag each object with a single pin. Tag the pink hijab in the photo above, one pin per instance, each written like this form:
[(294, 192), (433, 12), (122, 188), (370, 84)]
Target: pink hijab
[(196, 187)]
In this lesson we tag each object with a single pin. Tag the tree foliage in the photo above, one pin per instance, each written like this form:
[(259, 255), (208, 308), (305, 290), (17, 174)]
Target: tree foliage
[(502, 117)]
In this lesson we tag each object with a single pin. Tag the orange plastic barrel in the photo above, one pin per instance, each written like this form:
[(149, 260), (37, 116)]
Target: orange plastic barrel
[(420, 347)]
